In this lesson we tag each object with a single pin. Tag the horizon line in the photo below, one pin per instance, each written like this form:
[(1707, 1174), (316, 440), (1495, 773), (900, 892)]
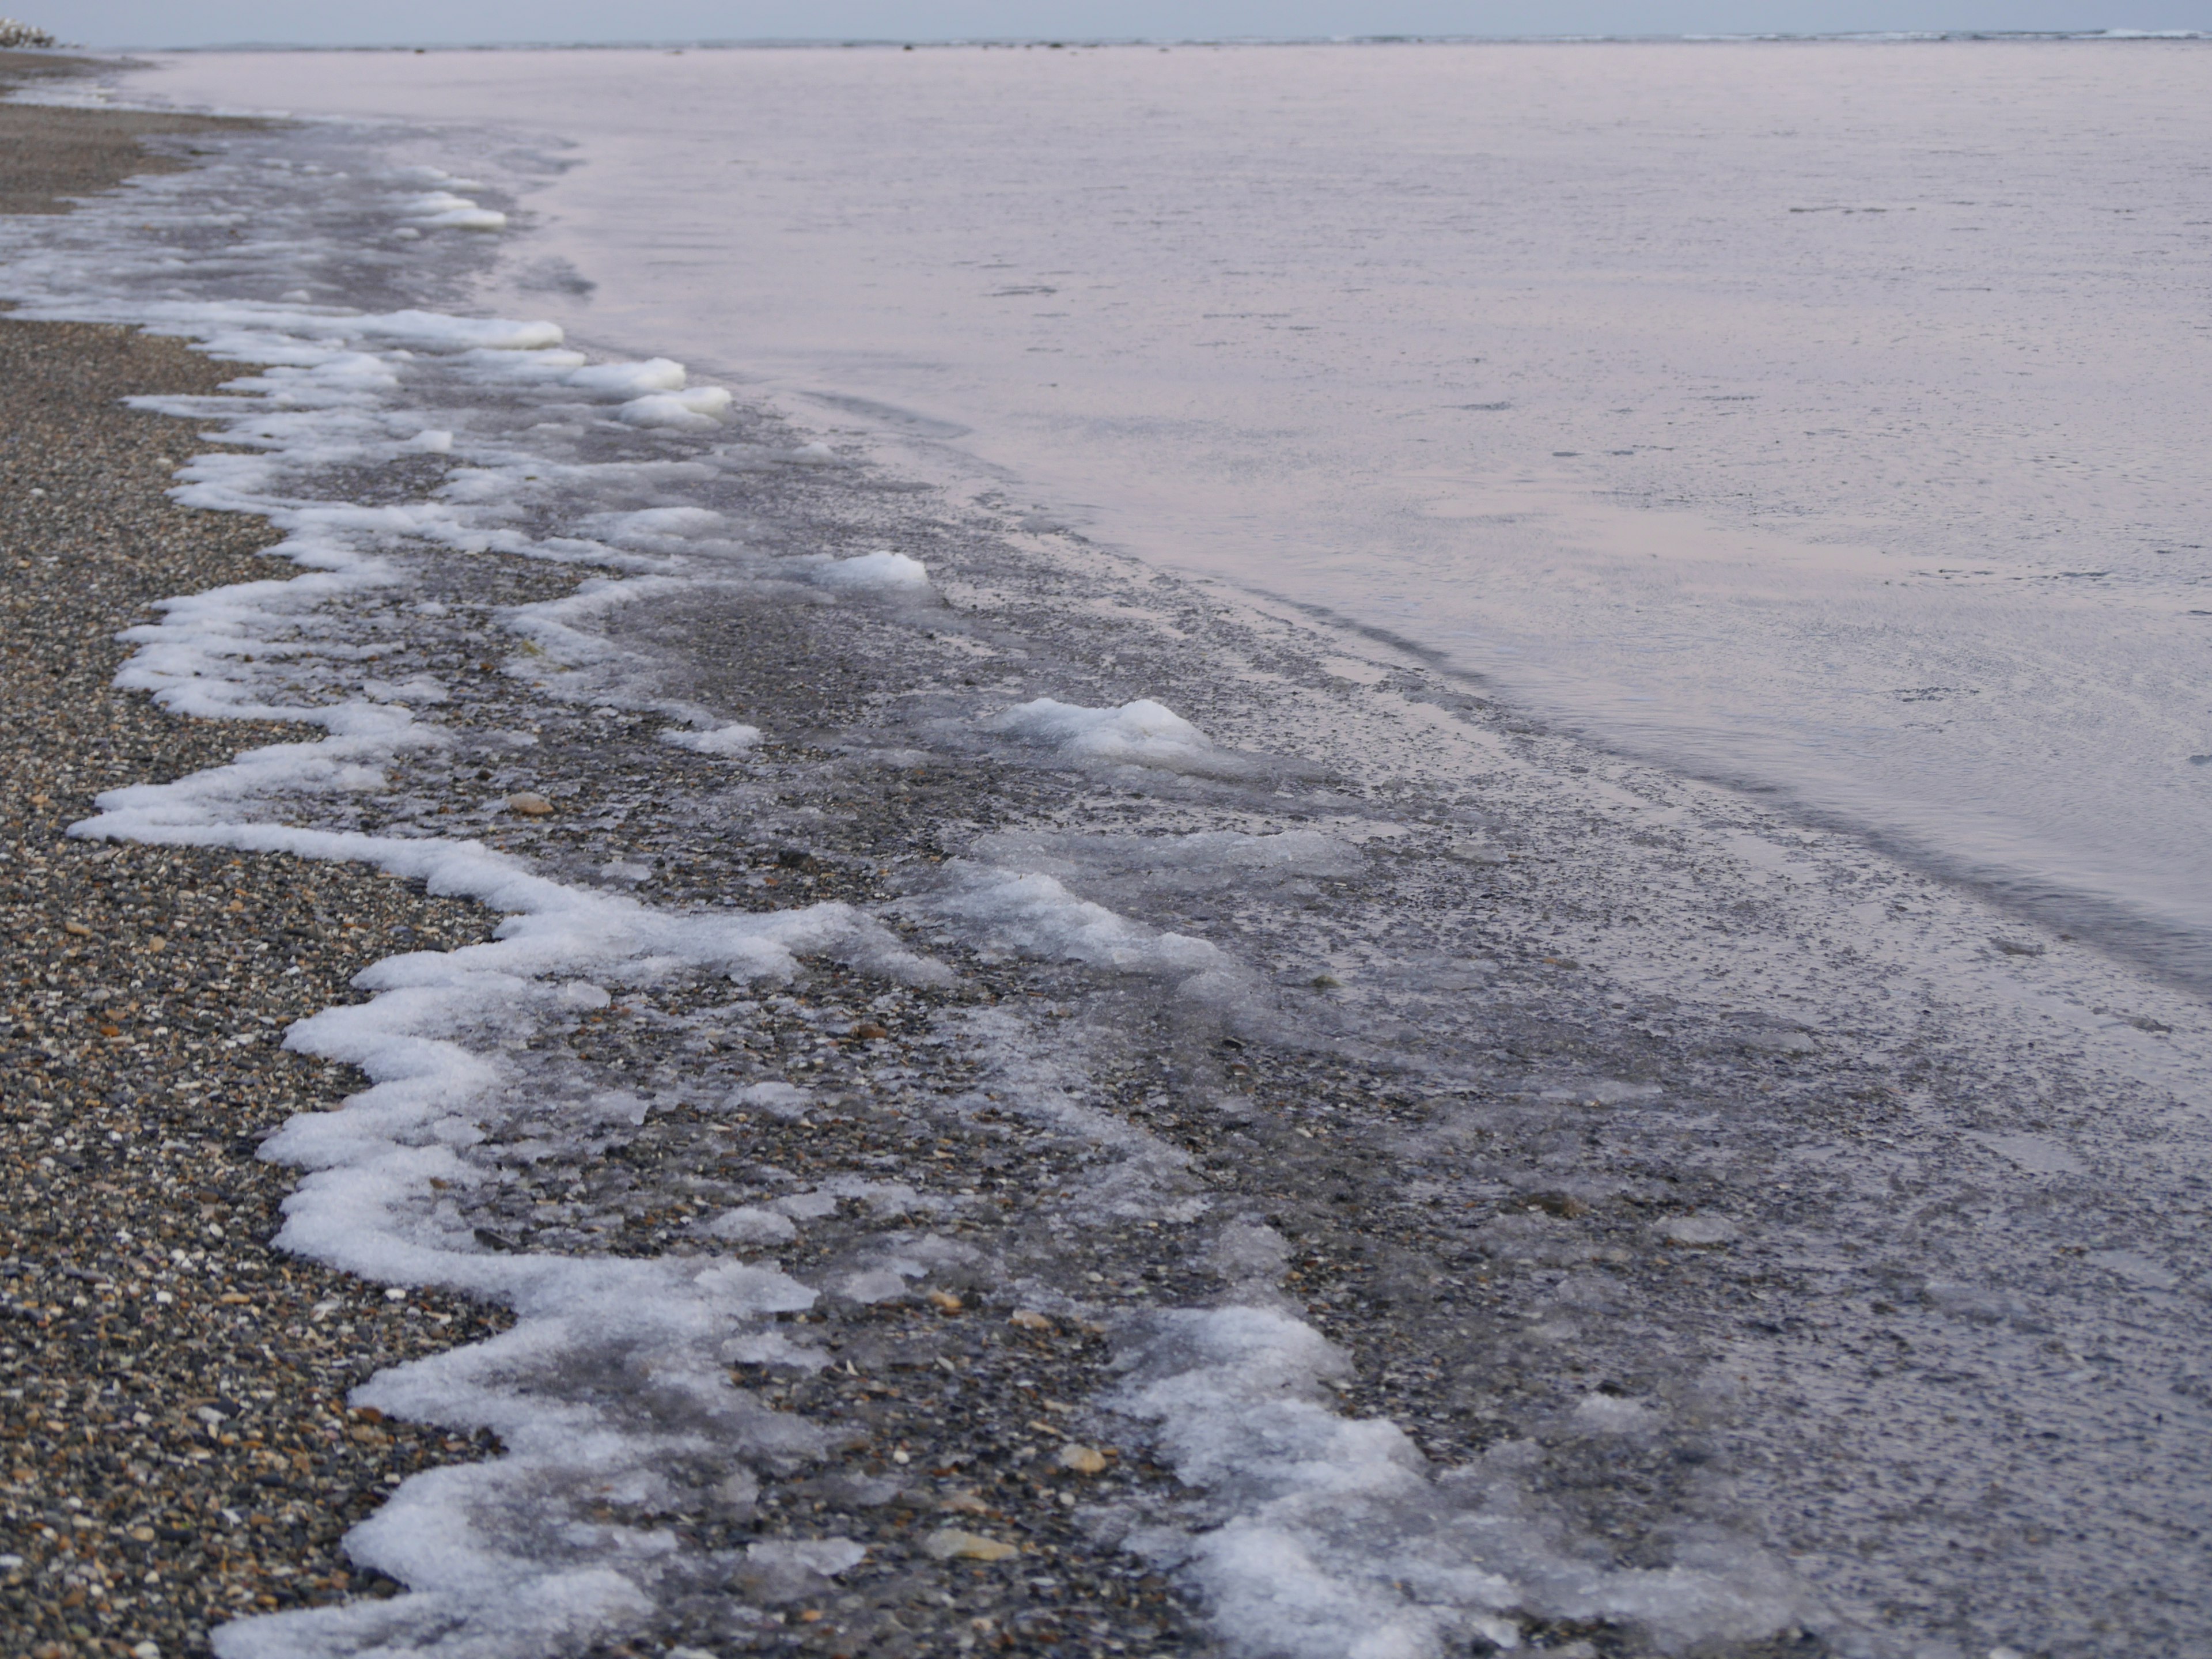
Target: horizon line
[(1876, 37)]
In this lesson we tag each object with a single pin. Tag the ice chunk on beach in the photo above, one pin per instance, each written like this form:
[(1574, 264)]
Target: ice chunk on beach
[(699, 409), (1140, 733), (882, 572), (442, 209), (826, 1556), (732, 739), (656, 527)]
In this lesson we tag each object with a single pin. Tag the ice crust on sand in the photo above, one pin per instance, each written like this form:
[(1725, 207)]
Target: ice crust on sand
[(1037, 915), (732, 739), (1345, 1540)]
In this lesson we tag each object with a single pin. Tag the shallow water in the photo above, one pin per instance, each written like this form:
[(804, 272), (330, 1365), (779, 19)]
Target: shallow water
[(1824, 417)]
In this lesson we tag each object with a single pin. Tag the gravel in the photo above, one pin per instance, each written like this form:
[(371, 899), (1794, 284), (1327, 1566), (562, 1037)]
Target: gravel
[(174, 1444), (53, 153)]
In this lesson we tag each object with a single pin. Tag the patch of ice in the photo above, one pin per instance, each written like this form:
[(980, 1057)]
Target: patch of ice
[(826, 1556), (748, 1225), (875, 1285), (881, 572), (1036, 915), (1341, 1540), (1605, 1413), (732, 739), (441, 209), (1140, 733), (655, 526), (1701, 1230), (783, 1100), (419, 689), (699, 409)]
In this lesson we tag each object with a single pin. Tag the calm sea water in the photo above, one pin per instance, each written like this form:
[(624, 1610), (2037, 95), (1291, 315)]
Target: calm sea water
[(1828, 418)]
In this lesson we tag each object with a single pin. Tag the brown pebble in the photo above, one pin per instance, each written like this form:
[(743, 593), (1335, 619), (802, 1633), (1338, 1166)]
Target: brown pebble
[(951, 1544), (1082, 1460)]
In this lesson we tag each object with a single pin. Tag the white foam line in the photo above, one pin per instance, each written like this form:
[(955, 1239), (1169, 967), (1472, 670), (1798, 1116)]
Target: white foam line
[(496, 1564), (493, 1569), (1342, 1540)]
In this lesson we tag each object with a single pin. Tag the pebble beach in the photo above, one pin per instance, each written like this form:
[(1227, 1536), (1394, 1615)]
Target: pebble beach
[(878, 1076), (173, 1430)]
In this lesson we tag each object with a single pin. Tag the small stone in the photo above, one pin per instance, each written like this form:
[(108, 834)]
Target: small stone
[(78, 928), (146, 1650), (965, 1503), (1030, 1319), (870, 1033), (529, 804), (945, 1302), (1082, 1460), (951, 1544)]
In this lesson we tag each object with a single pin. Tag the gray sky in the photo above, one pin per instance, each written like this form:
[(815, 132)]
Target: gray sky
[(388, 22)]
